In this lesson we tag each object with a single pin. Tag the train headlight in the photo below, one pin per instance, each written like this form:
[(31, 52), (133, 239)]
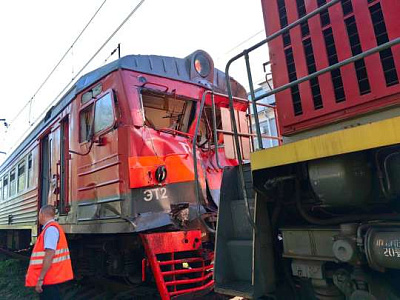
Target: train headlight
[(202, 65)]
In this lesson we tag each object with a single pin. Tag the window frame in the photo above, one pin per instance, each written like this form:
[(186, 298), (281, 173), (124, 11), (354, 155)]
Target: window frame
[(5, 194), (13, 169), (29, 184), (21, 162), (161, 94), (91, 105)]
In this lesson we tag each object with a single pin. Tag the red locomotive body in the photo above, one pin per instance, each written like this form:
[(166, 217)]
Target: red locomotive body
[(318, 216), (341, 32), (114, 155)]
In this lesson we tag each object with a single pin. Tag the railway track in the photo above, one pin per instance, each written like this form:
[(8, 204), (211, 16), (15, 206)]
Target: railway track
[(97, 288), (88, 288)]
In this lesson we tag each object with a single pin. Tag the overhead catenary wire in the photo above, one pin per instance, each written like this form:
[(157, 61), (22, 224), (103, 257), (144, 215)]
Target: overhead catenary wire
[(240, 44), (58, 63), (94, 56), (87, 63)]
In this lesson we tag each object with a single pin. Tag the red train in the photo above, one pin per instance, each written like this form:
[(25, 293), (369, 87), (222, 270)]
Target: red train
[(342, 31), (114, 155), (324, 206)]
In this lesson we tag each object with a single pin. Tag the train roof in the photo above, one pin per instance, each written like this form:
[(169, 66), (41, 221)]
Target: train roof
[(163, 66)]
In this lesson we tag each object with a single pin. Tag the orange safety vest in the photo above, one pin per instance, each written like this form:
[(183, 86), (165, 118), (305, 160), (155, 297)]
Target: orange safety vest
[(61, 268)]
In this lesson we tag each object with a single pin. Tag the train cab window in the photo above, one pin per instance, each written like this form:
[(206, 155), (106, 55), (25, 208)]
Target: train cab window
[(206, 135), (166, 112), (5, 187), (86, 122), (13, 183), (103, 113), (29, 173), (21, 177)]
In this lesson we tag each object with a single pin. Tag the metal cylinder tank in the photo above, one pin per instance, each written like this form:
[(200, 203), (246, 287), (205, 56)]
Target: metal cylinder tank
[(382, 248), (342, 180)]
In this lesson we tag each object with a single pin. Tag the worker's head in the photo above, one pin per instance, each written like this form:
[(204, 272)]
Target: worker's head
[(46, 213)]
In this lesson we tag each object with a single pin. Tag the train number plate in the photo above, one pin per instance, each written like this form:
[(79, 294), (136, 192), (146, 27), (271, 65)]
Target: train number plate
[(157, 194)]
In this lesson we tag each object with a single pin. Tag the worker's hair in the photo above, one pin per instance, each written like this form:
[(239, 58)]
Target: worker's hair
[(48, 210)]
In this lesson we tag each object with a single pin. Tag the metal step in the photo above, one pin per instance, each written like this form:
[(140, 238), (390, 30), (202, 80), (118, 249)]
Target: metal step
[(236, 288), (240, 252), (233, 261)]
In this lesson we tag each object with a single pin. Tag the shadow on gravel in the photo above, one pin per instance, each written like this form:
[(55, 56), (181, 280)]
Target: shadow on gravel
[(12, 280)]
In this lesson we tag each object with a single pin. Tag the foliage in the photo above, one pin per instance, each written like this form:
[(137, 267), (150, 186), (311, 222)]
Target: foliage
[(12, 281)]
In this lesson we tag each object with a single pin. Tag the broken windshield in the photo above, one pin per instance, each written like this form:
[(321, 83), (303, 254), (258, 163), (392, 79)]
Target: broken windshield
[(163, 112)]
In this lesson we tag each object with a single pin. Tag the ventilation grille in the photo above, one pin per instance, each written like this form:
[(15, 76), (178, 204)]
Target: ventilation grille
[(314, 83), (284, 22), (355, 44), (332, 58), (291, 68), (388, 65), (347, 7), (324, 15), (301, 9)]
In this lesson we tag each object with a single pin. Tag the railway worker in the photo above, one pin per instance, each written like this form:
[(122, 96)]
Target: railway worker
[(50, 262)]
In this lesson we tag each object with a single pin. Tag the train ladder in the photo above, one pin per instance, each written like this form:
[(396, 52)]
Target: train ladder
[(179, 263)]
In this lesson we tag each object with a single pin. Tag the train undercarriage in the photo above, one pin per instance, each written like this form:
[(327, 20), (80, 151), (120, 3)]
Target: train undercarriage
[(327, 228)]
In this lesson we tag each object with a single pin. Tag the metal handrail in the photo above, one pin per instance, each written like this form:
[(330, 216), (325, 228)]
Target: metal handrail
[(195, 169), (245, 53), (229, 88), (264, 136), (216, 131), (332, 67)]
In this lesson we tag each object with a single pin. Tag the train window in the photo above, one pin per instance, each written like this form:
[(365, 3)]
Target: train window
[(97, 90), (162, 111), (104, 113), (86, 122), (5, 187), (30, 177), (86, 97), (206, 134), (13, 183), (21, 177)]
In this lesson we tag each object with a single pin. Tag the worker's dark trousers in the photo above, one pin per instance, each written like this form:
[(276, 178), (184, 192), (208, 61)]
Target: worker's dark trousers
[(50, 292)]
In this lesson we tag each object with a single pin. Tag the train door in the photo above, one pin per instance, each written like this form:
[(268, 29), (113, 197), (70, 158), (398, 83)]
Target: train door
[(98, 171), (45, 169), (64, 166)]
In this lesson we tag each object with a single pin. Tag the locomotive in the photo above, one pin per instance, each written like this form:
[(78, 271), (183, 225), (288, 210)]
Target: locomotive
[(114, 156), (324, 206)]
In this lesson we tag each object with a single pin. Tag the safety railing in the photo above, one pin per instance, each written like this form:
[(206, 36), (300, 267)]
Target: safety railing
[(180, 265), (254, 99), (216, 131)]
